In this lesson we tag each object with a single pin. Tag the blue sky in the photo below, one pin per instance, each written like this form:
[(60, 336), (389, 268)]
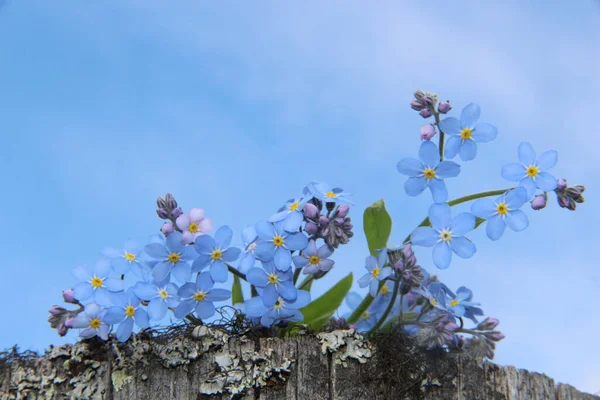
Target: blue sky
[(234, 108)]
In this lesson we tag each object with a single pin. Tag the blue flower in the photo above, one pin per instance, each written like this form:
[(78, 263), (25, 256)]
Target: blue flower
[(96, 282), (324, 192), (428, 172), (377, 272), (173, 256), (215, 252), (274, 283), (461, 302), (248, 259), (368, 319), (434, 294), (160, 297), (530, 172), (126, 258), (291, 214), (446, 235), (276, 244), (125, 311), (502, 212), (199, 297), (314, 260), (281, 310), (92, 322), (464, 134)]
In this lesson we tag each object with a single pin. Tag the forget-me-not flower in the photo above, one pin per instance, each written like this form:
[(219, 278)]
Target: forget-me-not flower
[(377, 272), (502, 212), (464, 134), (314, 260), (173, 257), (91, 322), (124, 259), (160, 296), (199, 297), (446, 234), (273, 282), (326, 193), (531, 172), (428, 171), (281, 310), (248, 259), (276, 244), (291, 214), (125, 311), (215, 252), (96, 282)]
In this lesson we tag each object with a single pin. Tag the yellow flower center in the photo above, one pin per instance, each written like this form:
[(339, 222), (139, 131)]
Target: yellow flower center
[(96, 282), (278, 241), (365, 315), (330, 195), (445, 235), (216, 254), (273, 279), (130, 311), (314, 260), (193, 227), (129, 257), (278, 304), (199, 296), (502, 208), (163, 294), (466, 133), (174, 258), (384, 290), (294, 206), (95, 323), (532, 171), (375, 272), (433, 301), (454, 302), (429, 173)]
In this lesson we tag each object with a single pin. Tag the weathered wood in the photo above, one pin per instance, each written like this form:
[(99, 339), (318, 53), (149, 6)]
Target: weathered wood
[(210, 364)]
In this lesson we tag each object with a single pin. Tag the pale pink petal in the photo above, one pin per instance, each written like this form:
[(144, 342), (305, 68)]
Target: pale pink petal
[(187, 237), (196, 214), (206, 225), (183, 221)]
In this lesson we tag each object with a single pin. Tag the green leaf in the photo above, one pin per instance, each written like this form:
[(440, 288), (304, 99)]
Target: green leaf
[(377, 224), (237, 296), (319, 311)]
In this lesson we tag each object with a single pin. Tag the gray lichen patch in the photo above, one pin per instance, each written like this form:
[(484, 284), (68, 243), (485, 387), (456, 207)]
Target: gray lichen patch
[(344, 344)]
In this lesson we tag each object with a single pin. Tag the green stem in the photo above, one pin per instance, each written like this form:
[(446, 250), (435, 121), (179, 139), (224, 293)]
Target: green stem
[(236, 272), (296, 275), (437, 122), (306, 281), (461, 200), (389, 307)]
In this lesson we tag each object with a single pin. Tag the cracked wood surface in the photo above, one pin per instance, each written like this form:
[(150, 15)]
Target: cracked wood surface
[(210, 364)]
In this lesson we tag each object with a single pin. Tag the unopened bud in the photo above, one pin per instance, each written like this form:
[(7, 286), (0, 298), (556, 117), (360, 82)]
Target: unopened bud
[(427, 132), (561, 184), (323, 221), (176, 213), (170, 200), (62, 331), (425, 113), (167, 228), (416, 105), (343, 210), (68, 296), (539, 201), (427, 101), (444, 107), (488, 324), (311, 228), (162, 213), (56, 310), (311, 211), (494, 336), (574, 191), (161, 203)]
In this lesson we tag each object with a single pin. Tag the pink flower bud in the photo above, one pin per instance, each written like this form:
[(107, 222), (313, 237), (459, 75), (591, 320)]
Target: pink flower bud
[(342, 211), (170, 200), (425, 113), (538, 202), (416, 105), (311, 211), (68, 296), (167, 228), (427, 132), (323, 220), (495, 336), (62, 331), (488, 324), (176, 213), (444, 107), (56, 310), (311, 228), (561, 184), (162, 213)]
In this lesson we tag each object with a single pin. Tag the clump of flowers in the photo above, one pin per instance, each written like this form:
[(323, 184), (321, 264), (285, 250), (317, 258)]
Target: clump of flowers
[(184, 269)]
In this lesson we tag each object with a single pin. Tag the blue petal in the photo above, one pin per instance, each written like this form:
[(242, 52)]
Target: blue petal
[(265, 230), (83, 273), (124, 330), (204, 282), (218, 294), (114, 315), (410, 167), (279, 216), (156, 250), (111, 252), (265, 251), (254, 307), (545, 182), (384, 273), (513, 172), (429, 154), (495, 227), (526, 154), (547, 160), (205, 309), (415, 186), (184, 308), (204, 244), (282, 259), (484, 133), (293, 221), (442, 255), (131, 247), (187, 290), (102, 297), (468, 150), (141, 318), (424, 236), (469, 116), (114, 284), (463, 247), (231, 254), (438, 190), (120, 265), (145, 291), (516, 197), (249, 234), (102, 269), (287, 290), (246, 262), (157, 309), (182, 272), (452, 146), (270, 295), (83, 291), (296, 241), (353, 300), (174, 244), (450, 126), (464, 293), (529, 185), (257, 277), (201, 262), (462, 223), (223, 237), (188, 253), (218, 271), (516, 220), (80, 322), (447, 169), (373, 287), (161, 270), (439, 215), (364, 280)]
